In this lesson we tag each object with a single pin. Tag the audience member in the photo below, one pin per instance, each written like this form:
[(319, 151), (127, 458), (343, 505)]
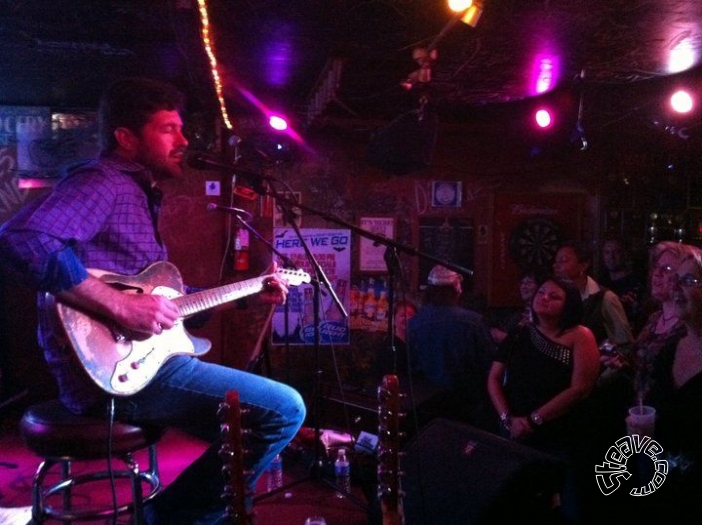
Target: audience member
[(104, 214), (604, 315), (528, 284), (541, 374), (450, 346), (664, 324), (620, 277), (676, 394), (603, 312)]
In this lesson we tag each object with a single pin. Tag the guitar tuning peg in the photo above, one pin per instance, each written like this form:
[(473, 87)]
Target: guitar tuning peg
[(223, 411), (225, 453)]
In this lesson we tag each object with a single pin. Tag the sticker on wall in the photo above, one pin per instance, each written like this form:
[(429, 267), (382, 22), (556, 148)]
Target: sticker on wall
[(446, 194)]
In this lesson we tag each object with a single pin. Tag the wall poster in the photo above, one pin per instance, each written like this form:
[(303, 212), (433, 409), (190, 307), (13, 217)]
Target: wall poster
[(332, 250), (371, 258)]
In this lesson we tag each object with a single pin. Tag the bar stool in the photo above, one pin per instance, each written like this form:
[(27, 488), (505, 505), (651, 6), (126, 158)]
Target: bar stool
[(61, 438)]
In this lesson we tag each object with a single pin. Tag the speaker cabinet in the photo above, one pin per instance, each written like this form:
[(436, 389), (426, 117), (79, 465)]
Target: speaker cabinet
[(406, 144), (458, 474)]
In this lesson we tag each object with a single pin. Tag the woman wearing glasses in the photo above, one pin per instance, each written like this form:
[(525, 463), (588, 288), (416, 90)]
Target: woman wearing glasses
[(676, 393), (663, 326)]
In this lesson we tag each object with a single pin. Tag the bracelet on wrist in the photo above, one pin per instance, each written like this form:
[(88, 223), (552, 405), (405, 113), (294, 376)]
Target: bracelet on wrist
[(535, 419), (505, 420)]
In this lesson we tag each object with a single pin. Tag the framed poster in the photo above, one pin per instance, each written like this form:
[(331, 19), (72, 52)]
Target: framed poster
[(279, 221), (372, 256), (332, 250)]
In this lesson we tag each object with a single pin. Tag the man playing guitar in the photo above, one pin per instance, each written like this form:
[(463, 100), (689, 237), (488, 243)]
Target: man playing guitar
[(104, 215)]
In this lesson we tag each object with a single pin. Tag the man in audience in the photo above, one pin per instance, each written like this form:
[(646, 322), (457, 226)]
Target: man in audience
[(620, 277), (451, 347), (603, 311)]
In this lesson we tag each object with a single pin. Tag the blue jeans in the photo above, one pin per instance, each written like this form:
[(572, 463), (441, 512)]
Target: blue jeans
[(186, 394)]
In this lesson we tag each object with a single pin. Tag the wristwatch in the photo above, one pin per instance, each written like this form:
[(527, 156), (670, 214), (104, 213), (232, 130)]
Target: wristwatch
[(535, 418)]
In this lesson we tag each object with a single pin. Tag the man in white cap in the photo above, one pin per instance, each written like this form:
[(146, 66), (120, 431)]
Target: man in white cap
[(450, 346)]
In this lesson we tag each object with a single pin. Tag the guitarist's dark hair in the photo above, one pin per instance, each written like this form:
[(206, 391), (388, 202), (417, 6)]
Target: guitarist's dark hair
[(130, 103)]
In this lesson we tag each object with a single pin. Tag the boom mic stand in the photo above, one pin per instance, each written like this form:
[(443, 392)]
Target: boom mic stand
[(261, 184), (319, 277)]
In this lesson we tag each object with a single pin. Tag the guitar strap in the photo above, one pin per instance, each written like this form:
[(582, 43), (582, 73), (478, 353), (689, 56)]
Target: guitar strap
[(155, 199)]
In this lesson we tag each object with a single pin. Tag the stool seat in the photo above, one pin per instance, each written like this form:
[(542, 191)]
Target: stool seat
[(49, 429), (61, 438)]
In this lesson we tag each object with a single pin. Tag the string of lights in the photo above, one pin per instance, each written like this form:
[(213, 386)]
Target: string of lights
[(208, 44)]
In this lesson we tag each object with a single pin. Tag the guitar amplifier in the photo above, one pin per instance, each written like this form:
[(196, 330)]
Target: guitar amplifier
[(458, 474)]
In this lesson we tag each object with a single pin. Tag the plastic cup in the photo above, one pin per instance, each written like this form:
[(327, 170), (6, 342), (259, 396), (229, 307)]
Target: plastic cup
[(641, 420)]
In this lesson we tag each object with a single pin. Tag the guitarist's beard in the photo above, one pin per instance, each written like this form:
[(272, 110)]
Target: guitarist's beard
[(162, 167)]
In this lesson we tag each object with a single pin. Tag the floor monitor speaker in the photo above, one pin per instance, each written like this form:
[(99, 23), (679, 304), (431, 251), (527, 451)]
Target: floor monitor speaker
[(458, 474)]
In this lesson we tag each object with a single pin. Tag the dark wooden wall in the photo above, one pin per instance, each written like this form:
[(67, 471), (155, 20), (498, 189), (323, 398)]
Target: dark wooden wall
[(506, 179)]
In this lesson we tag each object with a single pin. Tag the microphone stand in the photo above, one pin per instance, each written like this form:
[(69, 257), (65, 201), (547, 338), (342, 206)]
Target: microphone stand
[(287, 263), (320, 277), (261, 184), (388, 243)]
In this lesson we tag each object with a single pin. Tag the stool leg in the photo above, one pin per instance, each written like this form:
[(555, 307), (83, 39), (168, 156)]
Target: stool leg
[(152, 476), (137, 493), (38, 491), (66, 474)]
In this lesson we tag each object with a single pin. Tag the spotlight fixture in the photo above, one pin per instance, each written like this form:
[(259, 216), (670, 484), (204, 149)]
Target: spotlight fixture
[(681, 101), (469, 10), (543, 118), (277, 122)]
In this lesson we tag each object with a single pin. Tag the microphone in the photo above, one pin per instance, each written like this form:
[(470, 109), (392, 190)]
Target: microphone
[(202, 161), (242, 214)]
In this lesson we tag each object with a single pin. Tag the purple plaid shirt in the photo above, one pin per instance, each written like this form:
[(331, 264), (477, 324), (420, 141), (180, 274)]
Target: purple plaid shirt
[(101, 215)]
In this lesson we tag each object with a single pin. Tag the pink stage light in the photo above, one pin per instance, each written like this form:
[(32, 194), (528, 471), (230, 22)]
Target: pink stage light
[(543, 118), (277, 122)]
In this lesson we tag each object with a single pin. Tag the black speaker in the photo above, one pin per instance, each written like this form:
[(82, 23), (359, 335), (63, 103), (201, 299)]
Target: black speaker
[(406, 144), (458, 474)]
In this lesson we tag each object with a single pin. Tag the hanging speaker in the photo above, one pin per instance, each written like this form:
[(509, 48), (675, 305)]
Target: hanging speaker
[(406, 144)]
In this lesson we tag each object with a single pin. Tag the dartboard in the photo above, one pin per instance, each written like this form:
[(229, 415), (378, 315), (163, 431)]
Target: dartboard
[(533, 243)]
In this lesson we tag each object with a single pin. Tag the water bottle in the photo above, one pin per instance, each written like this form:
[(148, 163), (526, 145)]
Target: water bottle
[(275, 473), (342, 471)]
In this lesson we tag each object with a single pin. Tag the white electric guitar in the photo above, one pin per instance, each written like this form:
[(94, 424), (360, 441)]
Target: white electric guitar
[(121, 362)]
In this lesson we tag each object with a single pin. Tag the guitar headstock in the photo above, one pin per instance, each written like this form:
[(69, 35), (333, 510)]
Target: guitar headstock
[(293, 277), (389, 436), (232, 453)]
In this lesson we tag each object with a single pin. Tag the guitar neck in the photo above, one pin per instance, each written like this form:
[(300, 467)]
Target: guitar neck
[(389, 486), (196, 302)]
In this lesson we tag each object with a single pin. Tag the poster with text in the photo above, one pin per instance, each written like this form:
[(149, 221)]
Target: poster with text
[(332, 250)]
